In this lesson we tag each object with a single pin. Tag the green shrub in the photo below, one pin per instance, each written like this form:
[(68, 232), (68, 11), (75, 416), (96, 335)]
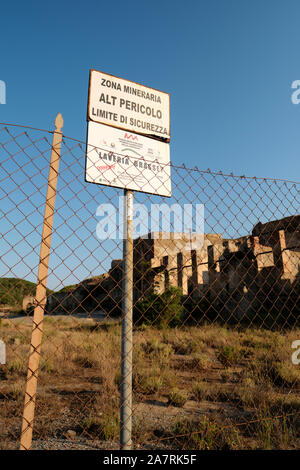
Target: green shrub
[(206, 434), (279, 374), (228, 355), (160, 310), (17, 366), (177, 398), (200, 391), (158, 350), (105, 427), (147, 383)]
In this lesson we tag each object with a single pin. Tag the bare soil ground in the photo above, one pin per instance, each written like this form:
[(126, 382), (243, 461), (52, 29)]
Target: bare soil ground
[(203, 387)]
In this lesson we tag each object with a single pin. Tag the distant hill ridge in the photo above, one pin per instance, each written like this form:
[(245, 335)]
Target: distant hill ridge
[(12, 290)]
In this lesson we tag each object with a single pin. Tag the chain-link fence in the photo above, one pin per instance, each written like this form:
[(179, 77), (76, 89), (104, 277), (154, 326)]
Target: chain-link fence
[(216, 333)]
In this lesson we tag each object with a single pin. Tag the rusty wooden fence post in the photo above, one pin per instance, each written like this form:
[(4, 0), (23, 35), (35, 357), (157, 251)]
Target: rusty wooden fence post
[(41, 294)]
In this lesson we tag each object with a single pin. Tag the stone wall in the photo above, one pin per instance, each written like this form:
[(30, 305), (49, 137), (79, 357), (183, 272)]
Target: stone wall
[(237, 272)]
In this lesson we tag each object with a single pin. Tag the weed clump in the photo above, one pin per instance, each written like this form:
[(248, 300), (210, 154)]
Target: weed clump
[(177, 397), (228, 355), (106, 427), (206, 434)]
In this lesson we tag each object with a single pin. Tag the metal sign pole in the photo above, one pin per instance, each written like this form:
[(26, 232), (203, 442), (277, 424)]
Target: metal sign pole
[(126, 358), (102, 122)]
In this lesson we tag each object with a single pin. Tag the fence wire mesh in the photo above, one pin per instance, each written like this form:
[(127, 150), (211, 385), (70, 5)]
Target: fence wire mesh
[(216, 324)]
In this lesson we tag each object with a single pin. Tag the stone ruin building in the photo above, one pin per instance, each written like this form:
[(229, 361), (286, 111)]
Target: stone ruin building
[(243, 276)]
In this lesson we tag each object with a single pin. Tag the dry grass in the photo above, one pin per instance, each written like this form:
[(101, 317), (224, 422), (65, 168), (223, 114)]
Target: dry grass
[(215, 387)]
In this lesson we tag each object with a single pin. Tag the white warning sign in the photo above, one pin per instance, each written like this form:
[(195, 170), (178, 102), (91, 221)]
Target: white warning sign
[(127, 105), (127, 160)]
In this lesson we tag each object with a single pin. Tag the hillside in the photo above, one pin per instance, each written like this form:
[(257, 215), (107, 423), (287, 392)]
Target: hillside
[(12, 290)]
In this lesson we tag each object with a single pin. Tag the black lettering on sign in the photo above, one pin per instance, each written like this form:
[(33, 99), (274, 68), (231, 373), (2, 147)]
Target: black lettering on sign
[(107, 99), (140, 108), (110, 84)]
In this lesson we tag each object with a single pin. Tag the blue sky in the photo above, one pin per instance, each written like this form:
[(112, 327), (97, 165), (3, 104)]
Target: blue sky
[(227, 64)]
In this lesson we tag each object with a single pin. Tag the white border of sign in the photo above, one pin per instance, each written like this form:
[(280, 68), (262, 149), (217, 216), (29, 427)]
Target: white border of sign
[(127, 105)]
